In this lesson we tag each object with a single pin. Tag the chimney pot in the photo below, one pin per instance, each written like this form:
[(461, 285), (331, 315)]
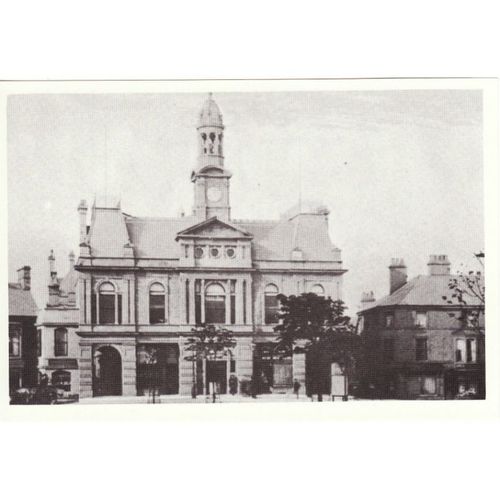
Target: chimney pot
[(398, 275), (24, 277), (438, 265)]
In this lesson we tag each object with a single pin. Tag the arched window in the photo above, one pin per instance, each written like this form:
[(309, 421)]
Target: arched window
[(215, 303), (62, 380), (107, 304), (156, 303), (271, 304), (318, 290), (61, 342)]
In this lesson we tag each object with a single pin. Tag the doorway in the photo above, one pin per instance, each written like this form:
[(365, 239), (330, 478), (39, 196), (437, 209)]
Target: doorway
[(107, 379), (216, 374)]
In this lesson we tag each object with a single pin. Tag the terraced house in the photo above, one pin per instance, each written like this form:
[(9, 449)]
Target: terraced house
[(420, 346), (144, 283)]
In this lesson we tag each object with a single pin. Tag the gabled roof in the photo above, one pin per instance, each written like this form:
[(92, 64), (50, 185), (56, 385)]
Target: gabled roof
[(21, 302), (214, 228), (423, 290)]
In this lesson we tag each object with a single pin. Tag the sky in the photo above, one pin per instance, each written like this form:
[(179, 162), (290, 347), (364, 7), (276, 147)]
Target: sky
[(401, 171)]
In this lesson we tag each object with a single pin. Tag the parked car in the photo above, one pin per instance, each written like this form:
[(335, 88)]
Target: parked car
[(42, 395)]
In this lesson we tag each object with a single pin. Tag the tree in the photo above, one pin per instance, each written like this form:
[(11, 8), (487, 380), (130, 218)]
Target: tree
[(467, 291), (151, 359), (208, 342), (318, 327)]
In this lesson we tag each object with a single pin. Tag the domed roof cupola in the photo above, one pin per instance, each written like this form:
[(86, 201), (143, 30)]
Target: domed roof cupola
[(210, 115)]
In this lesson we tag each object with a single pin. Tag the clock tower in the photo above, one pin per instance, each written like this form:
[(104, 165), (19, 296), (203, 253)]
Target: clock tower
[(211, 179)]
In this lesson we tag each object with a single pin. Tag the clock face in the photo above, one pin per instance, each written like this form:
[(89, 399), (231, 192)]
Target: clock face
[(213, 194)]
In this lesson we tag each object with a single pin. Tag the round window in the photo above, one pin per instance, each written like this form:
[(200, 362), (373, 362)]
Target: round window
[(214, 252), (198, 252), (230, 252)]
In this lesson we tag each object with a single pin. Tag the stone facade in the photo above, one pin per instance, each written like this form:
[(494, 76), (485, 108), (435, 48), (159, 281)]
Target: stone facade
[(57, 326), (145, 283)]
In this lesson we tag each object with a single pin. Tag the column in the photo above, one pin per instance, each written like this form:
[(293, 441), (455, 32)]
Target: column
[(85, 367), (202, 291), (228, 302), (182, 299), (88, 294), (244, 359), (239, 301), (191, 301), (132, 298), (249, 301), (129, 367), (83, 304), (185, 370)]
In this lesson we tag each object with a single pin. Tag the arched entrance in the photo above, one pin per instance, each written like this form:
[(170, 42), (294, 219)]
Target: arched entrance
[(107, 372)]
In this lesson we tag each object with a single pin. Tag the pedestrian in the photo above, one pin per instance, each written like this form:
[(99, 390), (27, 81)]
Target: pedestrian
[(233, 384), (253, 386), (296, 387)]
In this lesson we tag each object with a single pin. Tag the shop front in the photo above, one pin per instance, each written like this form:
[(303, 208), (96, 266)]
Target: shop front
[(158, 369), (272, 370)]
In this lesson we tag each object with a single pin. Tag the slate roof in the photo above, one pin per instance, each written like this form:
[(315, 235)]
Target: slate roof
[(156, 237), (423, 290), (21, 302)]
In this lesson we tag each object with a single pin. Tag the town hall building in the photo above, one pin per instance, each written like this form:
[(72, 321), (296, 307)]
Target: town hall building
[(142, 285)]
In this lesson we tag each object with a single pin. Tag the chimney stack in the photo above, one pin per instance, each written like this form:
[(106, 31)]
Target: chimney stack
[(24, 277), (71, 260), (82, 211), (367, 300), (438, 265), (53, 281), (398, 275), (52, 265)]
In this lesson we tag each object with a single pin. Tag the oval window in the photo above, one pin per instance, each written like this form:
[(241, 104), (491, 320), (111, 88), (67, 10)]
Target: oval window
[(198, 252), (214, 252), (230, 252)]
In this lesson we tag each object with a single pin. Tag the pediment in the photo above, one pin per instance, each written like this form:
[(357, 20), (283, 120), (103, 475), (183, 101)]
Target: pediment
[(214, 228)]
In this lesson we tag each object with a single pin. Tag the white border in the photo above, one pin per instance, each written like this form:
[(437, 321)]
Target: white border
[(448, 410)]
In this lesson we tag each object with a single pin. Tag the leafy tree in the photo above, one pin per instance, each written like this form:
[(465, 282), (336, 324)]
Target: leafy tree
[(467, 291), (208, 342), (318, 327)]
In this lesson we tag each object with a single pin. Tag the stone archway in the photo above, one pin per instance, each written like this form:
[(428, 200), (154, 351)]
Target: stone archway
[(107, 372)]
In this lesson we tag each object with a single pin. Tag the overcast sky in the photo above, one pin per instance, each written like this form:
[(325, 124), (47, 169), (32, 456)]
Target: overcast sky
[(401, 171)]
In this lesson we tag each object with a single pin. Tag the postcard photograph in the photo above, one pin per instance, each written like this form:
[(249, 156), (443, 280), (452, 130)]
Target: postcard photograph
[(205, 244)]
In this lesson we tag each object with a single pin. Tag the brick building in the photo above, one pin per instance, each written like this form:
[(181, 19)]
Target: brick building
[(23, 370), (144, 283), (417, 345)]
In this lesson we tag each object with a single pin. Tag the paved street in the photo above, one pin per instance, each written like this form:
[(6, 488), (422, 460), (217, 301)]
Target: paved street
[(225, 398)]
